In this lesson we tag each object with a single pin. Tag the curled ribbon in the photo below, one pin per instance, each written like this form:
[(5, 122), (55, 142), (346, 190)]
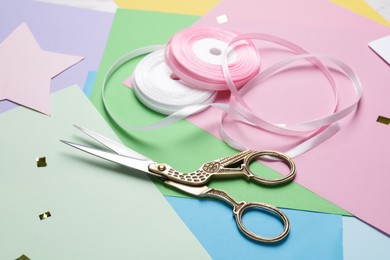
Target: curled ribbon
[(225, 73)]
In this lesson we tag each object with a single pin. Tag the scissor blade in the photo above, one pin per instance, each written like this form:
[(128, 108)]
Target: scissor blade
[(114, 146), (134, 163)]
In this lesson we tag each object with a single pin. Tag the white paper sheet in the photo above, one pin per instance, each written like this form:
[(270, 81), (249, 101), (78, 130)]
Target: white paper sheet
[(382, 48)]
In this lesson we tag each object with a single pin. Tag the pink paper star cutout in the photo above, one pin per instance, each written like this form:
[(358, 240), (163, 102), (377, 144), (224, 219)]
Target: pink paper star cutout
[(26, 70)]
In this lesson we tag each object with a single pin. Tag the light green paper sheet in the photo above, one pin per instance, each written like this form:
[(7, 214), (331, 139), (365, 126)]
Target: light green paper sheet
[(182, 145), (98, 209)]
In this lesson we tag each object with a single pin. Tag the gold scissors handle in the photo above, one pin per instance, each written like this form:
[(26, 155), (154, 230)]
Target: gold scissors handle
[(240, 208), (233, 165)]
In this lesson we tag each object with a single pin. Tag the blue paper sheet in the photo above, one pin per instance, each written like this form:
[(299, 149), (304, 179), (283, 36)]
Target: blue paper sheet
[(312, 235), (88, 85), (363, 242)]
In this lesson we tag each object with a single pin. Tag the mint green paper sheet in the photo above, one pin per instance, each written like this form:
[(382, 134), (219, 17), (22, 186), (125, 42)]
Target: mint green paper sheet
[(98, 209), (182, 145)]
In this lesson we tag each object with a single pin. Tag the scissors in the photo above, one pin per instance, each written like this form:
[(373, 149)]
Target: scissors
[(194, 183)]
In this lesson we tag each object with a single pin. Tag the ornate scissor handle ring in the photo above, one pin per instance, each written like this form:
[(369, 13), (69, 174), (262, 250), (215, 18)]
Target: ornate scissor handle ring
[(284, 158), (244, 206)]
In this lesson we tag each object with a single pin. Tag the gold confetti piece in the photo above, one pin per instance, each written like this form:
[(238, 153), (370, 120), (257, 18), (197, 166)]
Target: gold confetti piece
[(41, 162), (383, 120), (44, 215), (22, 257)]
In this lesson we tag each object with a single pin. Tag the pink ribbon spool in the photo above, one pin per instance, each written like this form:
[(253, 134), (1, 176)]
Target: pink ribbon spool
[(195, 57)]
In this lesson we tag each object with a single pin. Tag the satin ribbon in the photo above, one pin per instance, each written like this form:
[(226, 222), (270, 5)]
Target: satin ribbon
[(159, 90), (319, 129), (201, 67), (240, 105)]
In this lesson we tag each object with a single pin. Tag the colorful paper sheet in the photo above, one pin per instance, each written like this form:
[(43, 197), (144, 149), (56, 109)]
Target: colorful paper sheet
[(349, 168), (355, 248), (27, 70), (59, 29), (361, 242), (198, 7), (197, 216), (100, 5), (382, 48), (98, 210), (313, 235), (381, 6), (88, 85), (182, 145), (361, 7)]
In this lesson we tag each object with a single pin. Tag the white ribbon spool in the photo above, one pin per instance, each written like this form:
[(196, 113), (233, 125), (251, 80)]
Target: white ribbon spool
[(157, 88)]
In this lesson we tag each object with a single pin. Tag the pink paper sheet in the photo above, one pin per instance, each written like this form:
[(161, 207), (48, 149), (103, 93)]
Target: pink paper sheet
[(351, 168), (26, 69)]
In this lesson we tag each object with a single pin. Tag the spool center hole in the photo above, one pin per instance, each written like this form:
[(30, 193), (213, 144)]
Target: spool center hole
[(215, 51)]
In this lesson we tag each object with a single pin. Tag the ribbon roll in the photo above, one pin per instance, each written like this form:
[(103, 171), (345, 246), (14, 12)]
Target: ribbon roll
[(172, 118), (157, 88), (214, 59), (195, 56)]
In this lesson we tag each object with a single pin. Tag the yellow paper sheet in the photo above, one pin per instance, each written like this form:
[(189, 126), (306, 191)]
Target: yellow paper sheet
[(191, 7), (362, 8)]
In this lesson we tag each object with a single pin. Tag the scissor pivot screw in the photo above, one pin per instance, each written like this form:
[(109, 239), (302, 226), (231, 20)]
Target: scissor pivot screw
[(161, 167)]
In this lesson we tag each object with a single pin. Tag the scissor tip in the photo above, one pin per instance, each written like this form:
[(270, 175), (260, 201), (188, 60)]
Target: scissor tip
[(65, 142), (78, 127), (78, 146)]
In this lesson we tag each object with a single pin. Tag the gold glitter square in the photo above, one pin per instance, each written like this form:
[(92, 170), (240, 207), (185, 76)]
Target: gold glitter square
[(22, 257), (383, 120), (44, 215), (41, 162)]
